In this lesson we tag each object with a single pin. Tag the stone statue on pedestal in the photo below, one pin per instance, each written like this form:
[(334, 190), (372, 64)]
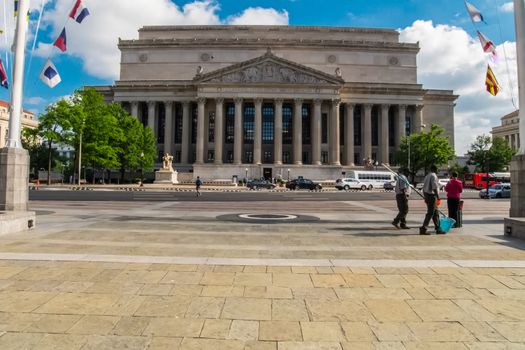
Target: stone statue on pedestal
[(166, 175)]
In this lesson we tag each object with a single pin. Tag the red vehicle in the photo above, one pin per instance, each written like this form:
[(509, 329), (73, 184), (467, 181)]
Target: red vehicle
[(479, 180)]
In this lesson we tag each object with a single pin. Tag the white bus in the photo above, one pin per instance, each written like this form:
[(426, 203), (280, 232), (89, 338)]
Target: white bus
[(374, 179)]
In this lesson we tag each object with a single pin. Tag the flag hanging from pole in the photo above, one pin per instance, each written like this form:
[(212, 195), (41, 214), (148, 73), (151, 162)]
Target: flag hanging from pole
[(16, 8), (491, 83), (3, 76), (474, 13), (61, 41), (486, 44), (79, 12), (49, 75)]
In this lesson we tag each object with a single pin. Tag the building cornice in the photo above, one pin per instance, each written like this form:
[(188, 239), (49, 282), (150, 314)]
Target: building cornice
[(264, 43)]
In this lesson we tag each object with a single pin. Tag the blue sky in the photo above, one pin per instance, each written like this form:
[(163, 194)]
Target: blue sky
[(450, 57)]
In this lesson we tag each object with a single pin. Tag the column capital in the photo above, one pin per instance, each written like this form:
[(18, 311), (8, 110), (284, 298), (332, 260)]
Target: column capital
[(219, 100), (402, 107), (419, 108), (238, 100), (298, 101), (258, 101), (185, 104), (350, 105), (368, 106), (152, 103), (168, 103), (336, 102), (385, 106), (201, 100), (318, 102), (134, 103), (279, 101)]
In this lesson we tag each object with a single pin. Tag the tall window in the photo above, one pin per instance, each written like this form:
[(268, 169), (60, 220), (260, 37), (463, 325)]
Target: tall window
[(211, 127), (324, 128), (193, 123), (307, 126), (357, 126), (161, 123), (324, 157), (230, 123), (267, 157), (375, 127), (286, 157), (267, 123), (287, 124), (178, 124), (249, 115), (248, 157)]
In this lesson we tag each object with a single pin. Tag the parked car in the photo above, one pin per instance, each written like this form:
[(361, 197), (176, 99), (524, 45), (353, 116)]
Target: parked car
[(350, 184), (303, 184), (255, 184), (443, 183), (496, 191), (389, 186)]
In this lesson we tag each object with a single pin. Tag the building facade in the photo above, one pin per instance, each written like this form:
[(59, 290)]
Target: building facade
[(509, 129), (272, 100), (28, 120)]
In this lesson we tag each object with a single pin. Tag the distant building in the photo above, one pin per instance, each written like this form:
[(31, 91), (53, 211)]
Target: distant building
[(509, 129), (28, 121)]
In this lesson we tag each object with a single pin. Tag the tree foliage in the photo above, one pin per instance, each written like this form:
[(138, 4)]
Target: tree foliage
[(490, 154), (110, 137), (420, 151)]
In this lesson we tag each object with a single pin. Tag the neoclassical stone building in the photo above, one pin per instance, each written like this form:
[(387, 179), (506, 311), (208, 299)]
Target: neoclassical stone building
[(509, 129), (28, 120), (273, 100)]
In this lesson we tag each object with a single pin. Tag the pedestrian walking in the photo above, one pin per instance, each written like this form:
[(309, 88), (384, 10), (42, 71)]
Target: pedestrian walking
[(454, 188), (402, 190), (198, 184), (431, 195)]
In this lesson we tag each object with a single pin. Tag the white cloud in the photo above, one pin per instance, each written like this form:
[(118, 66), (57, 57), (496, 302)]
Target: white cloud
[(507, 7), (258, 16), (451, 59), (34, 100), (95, 40)]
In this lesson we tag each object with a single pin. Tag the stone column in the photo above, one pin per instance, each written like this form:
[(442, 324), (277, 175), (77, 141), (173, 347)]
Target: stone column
[(135, 109), (316, 133), (401, 124), (384, 139), (237, 142), (349, 134), (334, 141), (200, 131), (151, 117), (278, 133), (298, 132), (219, 129), (366, 144), (417, 125), (185, 142), (257, 131), (168, 128)]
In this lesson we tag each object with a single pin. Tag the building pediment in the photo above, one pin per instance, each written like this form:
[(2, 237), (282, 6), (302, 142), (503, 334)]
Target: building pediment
[(269, 69)]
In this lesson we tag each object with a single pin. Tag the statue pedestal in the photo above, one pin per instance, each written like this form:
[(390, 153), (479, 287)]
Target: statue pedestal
[(515, 225), (164, 176)]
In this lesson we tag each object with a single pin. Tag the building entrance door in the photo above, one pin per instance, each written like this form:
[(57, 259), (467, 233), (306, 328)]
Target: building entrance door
[(267, 173)]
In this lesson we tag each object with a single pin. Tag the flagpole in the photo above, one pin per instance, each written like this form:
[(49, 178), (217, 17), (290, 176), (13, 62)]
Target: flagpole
[(519, 18), (13, 140)]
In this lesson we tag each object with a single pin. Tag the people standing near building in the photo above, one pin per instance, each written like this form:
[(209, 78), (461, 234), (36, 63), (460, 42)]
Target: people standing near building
[(431, 195), (403, 190), (198, 184), (453, 188)]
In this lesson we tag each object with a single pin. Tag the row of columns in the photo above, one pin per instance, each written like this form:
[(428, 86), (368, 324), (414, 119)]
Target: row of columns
[(333, 132)]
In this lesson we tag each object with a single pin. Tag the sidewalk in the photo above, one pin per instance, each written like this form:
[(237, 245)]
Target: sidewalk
[(186, 276)]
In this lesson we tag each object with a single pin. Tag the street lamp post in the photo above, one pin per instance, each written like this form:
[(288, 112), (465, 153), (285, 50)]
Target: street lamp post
[(141, 168), (246, 174), (288, 174)]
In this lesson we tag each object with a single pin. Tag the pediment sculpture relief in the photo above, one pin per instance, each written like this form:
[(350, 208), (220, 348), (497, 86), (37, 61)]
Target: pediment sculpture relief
[(268, 72)]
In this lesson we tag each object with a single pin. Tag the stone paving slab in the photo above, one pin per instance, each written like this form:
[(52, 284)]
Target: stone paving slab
[(170, 276)]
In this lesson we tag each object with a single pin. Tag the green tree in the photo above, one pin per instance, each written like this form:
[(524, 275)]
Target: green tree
[(148, 150), (54, 128), (490, 154), (420, 151)]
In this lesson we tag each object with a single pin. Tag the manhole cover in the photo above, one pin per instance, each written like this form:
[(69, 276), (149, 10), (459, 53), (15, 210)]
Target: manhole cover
[(267, 218)]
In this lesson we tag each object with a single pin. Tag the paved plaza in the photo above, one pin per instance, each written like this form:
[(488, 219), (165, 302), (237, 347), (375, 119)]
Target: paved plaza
[(194, 275)]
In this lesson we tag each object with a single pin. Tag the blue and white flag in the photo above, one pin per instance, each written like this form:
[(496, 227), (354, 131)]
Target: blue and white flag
[(49, 75), (3, 76), (79, 12)]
